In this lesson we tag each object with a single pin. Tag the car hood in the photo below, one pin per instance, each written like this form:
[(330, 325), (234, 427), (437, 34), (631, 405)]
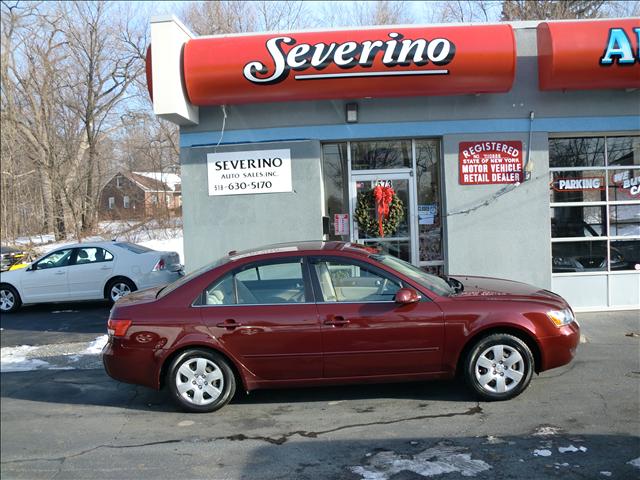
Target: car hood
[(501, 289)]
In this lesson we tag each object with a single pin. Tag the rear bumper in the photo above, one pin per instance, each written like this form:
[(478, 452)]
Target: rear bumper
[(131, 365), (560, 349)]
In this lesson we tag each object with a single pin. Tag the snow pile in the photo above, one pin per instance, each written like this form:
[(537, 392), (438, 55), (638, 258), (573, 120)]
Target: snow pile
[(14, 359), (95, 347), (61, 356), (430, 462)]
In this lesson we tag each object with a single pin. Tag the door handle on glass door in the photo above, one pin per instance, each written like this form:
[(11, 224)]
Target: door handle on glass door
[(336, 321)]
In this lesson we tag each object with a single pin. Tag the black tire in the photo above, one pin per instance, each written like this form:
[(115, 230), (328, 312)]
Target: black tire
[(122, 284), (492, 377), (217, 375), (9, 299)]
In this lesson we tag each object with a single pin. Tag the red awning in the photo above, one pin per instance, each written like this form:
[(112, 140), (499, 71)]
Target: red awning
[(377, 62), (583, 55)]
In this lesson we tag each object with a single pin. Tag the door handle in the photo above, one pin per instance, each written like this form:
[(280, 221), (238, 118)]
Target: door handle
[(60, 273), (336, 321), (229, 324), (105, 268)]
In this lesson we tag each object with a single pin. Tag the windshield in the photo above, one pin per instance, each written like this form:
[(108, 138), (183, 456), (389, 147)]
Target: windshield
[(166, 290), (436, 284)]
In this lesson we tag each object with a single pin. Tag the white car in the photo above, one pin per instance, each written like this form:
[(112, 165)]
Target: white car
[(88, 271)]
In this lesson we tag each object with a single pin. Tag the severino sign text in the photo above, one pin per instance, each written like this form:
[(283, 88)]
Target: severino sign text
[(241, 173)]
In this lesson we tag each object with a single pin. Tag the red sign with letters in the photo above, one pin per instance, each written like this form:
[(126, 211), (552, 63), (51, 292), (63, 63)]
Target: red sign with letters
[(345, 64), (490, 162), (581, 55)]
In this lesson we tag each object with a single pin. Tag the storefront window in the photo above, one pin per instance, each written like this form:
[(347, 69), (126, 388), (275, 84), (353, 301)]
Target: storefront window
[(595, 172), (429, 208), (381, 154), (576, 152), (336, 183)]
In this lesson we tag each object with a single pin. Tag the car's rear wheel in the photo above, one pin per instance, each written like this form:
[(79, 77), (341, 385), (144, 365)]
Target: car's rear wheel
[(200, 381), (118, 288), (499, 367), (9, 299)]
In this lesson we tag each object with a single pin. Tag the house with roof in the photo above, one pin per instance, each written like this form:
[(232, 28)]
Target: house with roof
[(141, 195)]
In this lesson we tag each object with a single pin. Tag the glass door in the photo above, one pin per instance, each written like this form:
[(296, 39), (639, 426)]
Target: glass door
[(399, 230)]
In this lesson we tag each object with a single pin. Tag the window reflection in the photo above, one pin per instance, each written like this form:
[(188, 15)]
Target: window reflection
[(380, 154)]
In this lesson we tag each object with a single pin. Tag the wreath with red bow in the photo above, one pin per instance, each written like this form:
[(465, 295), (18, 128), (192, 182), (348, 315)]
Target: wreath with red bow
[(379, 211)]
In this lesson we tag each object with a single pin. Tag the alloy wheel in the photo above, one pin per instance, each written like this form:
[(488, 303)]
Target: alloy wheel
[(119, 290), (499, 369), (7, 300), (199, 381)]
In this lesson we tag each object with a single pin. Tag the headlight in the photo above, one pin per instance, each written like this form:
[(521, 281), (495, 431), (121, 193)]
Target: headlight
[(561, 317)]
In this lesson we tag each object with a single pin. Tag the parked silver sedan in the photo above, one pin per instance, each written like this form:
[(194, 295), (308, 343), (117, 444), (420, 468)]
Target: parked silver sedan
[(88, 271)]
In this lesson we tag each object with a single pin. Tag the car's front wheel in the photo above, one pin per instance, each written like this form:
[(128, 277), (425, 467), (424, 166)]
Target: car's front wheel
[(200, 381), (499, 367), (9, 299)]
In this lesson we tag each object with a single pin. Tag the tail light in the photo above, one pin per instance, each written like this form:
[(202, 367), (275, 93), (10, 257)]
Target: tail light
[(118, 327), (160, 265)]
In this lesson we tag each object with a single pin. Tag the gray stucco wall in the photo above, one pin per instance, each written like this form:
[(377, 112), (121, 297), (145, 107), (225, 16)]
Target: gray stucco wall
[(214, 225), (511, 236)]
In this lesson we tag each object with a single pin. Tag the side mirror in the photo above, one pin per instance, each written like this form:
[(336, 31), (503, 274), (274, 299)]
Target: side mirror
[(405, 296), (31, 267)]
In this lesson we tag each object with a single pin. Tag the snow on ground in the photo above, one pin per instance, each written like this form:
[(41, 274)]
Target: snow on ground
[(428, 463), (62, 356), (14, 359)]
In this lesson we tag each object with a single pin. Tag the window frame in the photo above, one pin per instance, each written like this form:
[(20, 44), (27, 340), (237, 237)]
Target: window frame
[(70, 262), (313, 259), (605, 170), (309, 292)]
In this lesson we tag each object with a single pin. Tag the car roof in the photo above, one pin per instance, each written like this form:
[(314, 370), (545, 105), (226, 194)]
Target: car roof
[(103, 244), (304, 247)]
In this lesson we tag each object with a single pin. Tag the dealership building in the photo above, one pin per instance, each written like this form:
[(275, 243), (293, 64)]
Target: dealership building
[(509, 150)]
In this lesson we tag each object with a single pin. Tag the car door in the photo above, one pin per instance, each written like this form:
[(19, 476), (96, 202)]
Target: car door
[(364, 331), (46, 280), (87, 276), (264, 314)]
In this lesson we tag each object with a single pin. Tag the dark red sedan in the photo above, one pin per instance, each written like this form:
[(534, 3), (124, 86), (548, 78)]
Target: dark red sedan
[(319, 313)]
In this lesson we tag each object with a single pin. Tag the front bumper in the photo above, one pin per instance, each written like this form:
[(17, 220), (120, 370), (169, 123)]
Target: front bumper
[(560, 349)]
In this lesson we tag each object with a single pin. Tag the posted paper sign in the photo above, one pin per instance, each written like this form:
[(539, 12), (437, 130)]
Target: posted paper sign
[(257, 171), (341, 223), (490, 162)]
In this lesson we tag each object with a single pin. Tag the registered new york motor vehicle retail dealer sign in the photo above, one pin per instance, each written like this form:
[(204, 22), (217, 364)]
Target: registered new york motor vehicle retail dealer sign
[(258, 171)]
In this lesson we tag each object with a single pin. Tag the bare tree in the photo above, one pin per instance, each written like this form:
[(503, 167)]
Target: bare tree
[(366, 13), (551, 9), (106, 55), (228, 16), (463, 11)]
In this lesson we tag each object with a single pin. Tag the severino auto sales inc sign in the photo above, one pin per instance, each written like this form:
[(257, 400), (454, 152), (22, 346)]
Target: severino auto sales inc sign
[(241, 173), (490, 162)]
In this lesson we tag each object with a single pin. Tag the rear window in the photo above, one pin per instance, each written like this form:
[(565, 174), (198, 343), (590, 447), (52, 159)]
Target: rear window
[(132, 247)]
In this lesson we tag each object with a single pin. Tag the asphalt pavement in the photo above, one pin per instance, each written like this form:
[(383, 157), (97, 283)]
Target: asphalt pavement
[(576, 422)]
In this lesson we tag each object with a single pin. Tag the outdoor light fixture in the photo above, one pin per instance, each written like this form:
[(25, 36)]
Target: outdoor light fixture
[(352, 112)]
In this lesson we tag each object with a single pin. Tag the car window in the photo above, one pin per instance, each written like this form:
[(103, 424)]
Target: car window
[(93, 255), (56, 259), (259, 284), (344, 281)]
